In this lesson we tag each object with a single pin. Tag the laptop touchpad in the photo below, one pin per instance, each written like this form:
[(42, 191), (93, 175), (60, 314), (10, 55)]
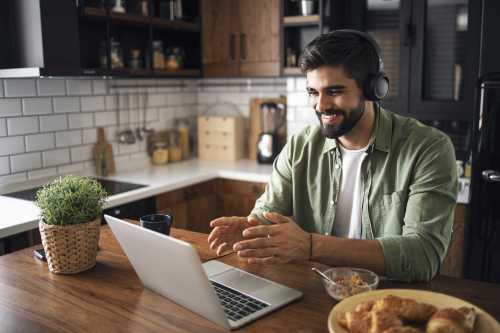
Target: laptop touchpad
[(241, 281)]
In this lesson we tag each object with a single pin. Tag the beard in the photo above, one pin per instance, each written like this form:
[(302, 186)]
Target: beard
[(348, 121)]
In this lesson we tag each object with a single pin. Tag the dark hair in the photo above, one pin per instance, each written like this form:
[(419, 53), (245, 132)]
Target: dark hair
[(352, 52)]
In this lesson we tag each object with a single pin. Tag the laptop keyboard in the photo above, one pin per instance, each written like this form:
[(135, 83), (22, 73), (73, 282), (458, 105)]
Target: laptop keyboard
[(236, 305)]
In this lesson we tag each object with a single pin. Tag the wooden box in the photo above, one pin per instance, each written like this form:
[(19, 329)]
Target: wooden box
[(221, 138)]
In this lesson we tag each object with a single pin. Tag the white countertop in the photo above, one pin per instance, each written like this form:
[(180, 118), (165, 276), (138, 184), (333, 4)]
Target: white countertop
[(20, 215)]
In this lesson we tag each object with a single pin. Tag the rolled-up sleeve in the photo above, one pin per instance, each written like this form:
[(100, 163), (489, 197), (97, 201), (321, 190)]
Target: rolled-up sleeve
[(417, 254)]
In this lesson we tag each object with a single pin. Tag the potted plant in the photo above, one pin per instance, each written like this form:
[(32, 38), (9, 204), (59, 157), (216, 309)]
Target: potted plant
[(69, 224)]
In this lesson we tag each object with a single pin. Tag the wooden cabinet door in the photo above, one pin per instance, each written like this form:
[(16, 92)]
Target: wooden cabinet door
[(237, 197), (220, 38), (174, 203), (259, 38)]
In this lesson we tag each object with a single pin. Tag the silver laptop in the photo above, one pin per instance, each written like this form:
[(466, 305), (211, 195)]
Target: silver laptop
[(221, 293)]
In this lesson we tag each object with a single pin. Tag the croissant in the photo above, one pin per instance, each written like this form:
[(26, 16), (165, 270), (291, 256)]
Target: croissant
[(405, 308), (451, 320), (369, 321)]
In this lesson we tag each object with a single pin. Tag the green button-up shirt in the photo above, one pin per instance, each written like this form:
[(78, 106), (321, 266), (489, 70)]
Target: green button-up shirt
[(409, 191)]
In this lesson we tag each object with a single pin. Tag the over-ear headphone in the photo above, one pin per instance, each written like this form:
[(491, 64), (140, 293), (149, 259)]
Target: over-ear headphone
[(376, 85)]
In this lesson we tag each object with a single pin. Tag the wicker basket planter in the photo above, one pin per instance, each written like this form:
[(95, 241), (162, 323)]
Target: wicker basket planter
[(70, 249)]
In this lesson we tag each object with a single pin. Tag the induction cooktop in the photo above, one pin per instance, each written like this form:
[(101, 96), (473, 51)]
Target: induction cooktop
[(111, 186)]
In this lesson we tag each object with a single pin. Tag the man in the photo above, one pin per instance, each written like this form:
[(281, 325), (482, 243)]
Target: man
[(365, 188)]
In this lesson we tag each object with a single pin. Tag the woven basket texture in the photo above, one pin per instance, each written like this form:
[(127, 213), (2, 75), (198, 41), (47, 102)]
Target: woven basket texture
[(70, 249)]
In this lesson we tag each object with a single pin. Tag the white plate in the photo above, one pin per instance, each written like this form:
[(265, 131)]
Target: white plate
[(484, 322)]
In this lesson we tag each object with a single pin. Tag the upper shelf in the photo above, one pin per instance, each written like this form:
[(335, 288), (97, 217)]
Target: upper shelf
[(139, 20), (297, 21)]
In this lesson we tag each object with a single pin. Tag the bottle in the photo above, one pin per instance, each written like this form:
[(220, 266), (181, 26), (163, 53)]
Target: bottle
[(174, 148), (158, 55), (183, 130)]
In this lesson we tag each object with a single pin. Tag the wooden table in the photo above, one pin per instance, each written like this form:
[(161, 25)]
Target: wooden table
[(110, 297)]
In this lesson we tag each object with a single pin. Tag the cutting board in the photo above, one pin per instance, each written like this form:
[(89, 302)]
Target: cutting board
[(103, 155), (256, 126)]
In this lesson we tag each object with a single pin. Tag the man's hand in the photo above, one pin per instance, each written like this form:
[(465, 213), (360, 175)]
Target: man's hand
[(229, 230), (281, 242)]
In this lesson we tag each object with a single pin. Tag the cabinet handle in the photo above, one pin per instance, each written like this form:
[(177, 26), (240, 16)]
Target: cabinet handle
[(243, 46), (232, 47)]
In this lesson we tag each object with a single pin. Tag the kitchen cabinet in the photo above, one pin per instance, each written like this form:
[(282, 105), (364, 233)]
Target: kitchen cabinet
[(453, 262), (241, 38), (193, 207), (237, 198), (431, 71), (85, 38)]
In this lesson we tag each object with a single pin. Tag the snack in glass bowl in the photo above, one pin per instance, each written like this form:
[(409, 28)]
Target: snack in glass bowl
[(348, 281)]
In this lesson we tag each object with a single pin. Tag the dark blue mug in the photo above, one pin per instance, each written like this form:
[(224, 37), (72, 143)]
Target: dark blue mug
[(157, 222)]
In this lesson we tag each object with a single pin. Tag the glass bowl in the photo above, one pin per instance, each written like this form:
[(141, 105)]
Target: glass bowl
[(349, 281)]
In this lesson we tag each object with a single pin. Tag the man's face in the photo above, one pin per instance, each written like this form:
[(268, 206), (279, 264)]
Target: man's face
[(336, 99)]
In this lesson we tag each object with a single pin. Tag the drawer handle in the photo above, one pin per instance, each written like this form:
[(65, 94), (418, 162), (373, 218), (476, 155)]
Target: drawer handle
[(207, 132)]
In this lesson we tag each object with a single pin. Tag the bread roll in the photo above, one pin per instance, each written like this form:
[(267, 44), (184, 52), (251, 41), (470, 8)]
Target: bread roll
[(451, 320)]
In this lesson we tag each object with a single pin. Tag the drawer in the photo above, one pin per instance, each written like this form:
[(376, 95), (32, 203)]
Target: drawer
[(207, 151), (224, 124), (215, 137)]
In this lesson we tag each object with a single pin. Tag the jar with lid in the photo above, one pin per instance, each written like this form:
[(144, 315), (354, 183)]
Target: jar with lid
[(174, 57), (174, 147), (160, 153), (135, 59), (158, 55), (116, 54)]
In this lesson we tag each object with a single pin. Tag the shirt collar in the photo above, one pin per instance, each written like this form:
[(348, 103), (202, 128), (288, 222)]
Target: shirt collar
[(383, 132)]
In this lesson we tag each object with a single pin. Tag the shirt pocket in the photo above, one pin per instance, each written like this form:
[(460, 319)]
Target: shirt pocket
[(389, 214)]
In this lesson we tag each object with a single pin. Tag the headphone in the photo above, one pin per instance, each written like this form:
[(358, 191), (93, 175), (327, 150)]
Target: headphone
[(376, 85)]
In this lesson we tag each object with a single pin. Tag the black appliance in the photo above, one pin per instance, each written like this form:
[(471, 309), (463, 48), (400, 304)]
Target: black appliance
[(272, 116), (482, 230), (111, 186)]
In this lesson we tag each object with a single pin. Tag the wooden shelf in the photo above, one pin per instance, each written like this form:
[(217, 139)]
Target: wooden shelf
[(175, 25), (94, 13), (297, 21), (292, 71), (177, 73), (131, 19)]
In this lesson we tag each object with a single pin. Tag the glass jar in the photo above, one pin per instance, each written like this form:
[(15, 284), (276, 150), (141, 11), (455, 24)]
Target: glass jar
[(174, 147), (158, 55), (160, 153), (143, 7), (135, 59), (116, 55), (103, 56), (175, 57)]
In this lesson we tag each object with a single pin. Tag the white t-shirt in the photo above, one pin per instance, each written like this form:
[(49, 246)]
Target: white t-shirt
[(347, 222)]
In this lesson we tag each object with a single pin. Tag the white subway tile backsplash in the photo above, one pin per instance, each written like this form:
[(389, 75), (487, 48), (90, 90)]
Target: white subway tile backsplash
[(297, 99), (35, 106), (39, 142), (10, 107), (22, 125), (207, 98), (11, 145), (42, 173), (24, 162), (81, 120), (134, 116), (14, 178), (68, 138), (79, 87), (82, 153), (4, 165), (3, 127), (53, 123), (156, 100), (70, 168), (290, 84), (166, 113), (175, 99), (89, 135), (151, 114), (20, 87), (111, 102), (51, 87), (99, 87), (301, 84), (55, 157), (92, 103), (66, 104), (105, 118)]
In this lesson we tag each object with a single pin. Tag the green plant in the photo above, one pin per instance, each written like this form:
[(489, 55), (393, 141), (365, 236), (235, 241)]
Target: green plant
[(70, 200)]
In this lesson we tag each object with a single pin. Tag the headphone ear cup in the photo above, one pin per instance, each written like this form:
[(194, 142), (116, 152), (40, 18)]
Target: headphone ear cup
[(376, 87)]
